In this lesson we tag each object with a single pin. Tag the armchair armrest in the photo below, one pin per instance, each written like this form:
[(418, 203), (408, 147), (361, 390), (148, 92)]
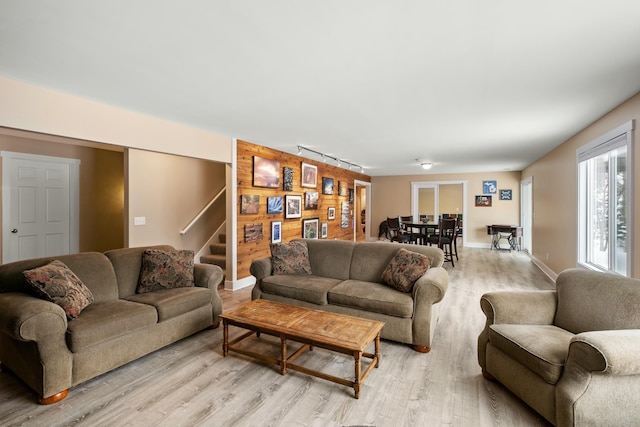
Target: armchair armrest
[(515, 307), (210, 276), (600, 384)]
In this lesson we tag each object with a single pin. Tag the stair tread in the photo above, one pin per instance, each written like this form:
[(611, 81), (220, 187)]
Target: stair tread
[(218, 248)]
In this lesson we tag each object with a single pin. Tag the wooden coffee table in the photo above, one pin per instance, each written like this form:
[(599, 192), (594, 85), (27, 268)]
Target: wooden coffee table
[(331, 331)]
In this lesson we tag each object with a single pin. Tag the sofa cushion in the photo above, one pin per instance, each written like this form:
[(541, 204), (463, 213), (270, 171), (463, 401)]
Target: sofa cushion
[(107, 320), (370, 296), (404, 269), (290, 258), (55, 282), (162, 269), (303, 287), (174, 302), (330, 258), (541, 348)]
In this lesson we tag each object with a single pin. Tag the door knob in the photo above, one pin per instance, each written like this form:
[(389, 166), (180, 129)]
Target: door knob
[(15, 230)]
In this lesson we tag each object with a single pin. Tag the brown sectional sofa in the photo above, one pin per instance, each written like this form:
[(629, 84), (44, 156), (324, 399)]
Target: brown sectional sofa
[(571, 354), (52, 354), (346, 278)]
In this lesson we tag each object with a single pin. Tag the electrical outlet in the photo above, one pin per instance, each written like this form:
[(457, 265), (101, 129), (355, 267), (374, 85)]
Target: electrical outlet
[(139, 220)]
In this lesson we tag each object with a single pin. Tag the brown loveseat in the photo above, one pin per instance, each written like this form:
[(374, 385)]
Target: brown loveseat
[(571, 354), (346, 278), (51, 353)]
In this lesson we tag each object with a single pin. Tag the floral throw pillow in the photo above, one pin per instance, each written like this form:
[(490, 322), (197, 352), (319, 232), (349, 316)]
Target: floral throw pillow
[(165, 270), (290, 258), (55, 282), (404, 269)]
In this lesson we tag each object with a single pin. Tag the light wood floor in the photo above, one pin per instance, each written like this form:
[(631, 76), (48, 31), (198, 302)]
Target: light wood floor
[(190, 383)]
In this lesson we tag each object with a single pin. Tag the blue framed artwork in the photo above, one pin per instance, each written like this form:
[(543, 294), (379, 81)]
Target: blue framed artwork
[(489, 187), (274, 205), (506, 194)]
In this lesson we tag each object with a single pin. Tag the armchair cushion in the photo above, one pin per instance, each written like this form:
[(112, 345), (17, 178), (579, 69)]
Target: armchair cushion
[(55, 282), (165, 270), (541, 348)]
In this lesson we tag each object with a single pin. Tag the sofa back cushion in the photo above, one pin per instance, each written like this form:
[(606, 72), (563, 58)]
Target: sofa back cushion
[(92, 268), (592, 301), (330, 258), (127, 264)]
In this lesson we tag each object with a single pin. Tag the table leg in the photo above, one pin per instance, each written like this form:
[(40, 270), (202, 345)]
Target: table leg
[(283, 356), (225, 339), (356, 383), (377, 344)]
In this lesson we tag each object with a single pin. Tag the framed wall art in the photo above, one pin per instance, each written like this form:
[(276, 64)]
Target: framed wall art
[(344, 215), (252, 232), (342, 188), (311, 200), (327, 185), (287, 179), (266, 173), (309, 175), (274, 205), (489, 187), (483, 201), (310, 228), (249, 203), (292, 206), (324, 230), (506, 194), (331, 213), (276, 231)]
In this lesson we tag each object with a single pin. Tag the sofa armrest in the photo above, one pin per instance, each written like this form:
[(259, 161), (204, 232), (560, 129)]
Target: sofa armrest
[(514, 307), (600, 383), (27, 318), (210, 276), (260, 268), (427, 291)]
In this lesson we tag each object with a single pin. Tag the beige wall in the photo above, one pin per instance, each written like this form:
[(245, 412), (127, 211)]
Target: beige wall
[(101, 174), (169, 191), (554, 192), (391, 196)]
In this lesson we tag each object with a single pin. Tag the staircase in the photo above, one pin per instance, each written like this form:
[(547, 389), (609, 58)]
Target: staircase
[(218, 253)]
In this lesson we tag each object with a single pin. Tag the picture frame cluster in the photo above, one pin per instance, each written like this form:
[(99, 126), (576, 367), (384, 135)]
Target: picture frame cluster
[(268, 174)]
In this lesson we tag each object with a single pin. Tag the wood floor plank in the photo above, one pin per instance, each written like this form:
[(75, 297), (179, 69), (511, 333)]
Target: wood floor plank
[(190, 383)]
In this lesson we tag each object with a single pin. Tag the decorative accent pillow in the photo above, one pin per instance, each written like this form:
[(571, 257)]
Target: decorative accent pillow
[(55, 282), (404, 269), (165, 270), (290, 258)]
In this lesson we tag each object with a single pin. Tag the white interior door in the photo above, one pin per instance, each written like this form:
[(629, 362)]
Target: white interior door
[(40, 203), (526, 212)]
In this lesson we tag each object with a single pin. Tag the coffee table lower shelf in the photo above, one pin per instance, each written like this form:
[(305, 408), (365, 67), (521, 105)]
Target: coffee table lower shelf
[(307, 344)]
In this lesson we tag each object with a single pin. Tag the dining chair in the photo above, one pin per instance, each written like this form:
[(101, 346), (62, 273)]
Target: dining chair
[(447, 233), (398, 234)]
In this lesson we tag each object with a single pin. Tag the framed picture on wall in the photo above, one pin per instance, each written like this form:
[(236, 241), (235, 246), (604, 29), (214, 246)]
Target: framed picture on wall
[(309, 175), (274, 205), (292, 206), (327, 185), (266, 172), (310, 228), (342, 188), (249, 203), (276, 231), (287, 179), (483, 201), (311, 200), (325, 230), (489, 187), (331, 213), (252, 232), (506, 194)]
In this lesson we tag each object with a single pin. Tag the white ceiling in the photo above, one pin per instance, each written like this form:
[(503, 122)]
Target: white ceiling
[(472, 86)]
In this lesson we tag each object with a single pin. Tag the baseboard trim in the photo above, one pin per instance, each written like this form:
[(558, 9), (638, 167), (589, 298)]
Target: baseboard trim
[(234, 285), (543, 267)]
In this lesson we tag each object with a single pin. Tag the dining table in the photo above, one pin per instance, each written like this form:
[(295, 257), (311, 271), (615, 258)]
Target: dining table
[(422, 233)]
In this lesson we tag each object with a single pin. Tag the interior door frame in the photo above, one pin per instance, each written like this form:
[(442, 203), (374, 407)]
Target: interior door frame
[(74, 195), (526, 213), (367, 213), (415, 194)]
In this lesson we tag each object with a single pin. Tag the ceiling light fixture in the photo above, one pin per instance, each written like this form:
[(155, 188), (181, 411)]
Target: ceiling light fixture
[(424, 164), (325, 157)]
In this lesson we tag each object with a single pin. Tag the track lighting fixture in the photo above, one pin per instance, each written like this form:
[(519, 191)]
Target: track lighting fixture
[(326, 157)]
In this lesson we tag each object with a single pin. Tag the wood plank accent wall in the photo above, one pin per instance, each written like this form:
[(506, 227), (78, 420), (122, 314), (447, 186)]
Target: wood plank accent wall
[(291, 228)]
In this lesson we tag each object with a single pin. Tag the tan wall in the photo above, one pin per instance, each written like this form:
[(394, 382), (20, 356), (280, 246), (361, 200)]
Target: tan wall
[(168, 191), (291, 228), (554, 192), (101, 203), (391, 196)]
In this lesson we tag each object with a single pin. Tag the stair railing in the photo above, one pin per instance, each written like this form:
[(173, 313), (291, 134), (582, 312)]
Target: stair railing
[(202, 212)]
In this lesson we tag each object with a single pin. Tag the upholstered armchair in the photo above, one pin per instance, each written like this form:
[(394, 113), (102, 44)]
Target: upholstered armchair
[(572, 354)]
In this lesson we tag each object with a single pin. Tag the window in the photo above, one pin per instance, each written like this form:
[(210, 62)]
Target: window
[(605, 202)]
